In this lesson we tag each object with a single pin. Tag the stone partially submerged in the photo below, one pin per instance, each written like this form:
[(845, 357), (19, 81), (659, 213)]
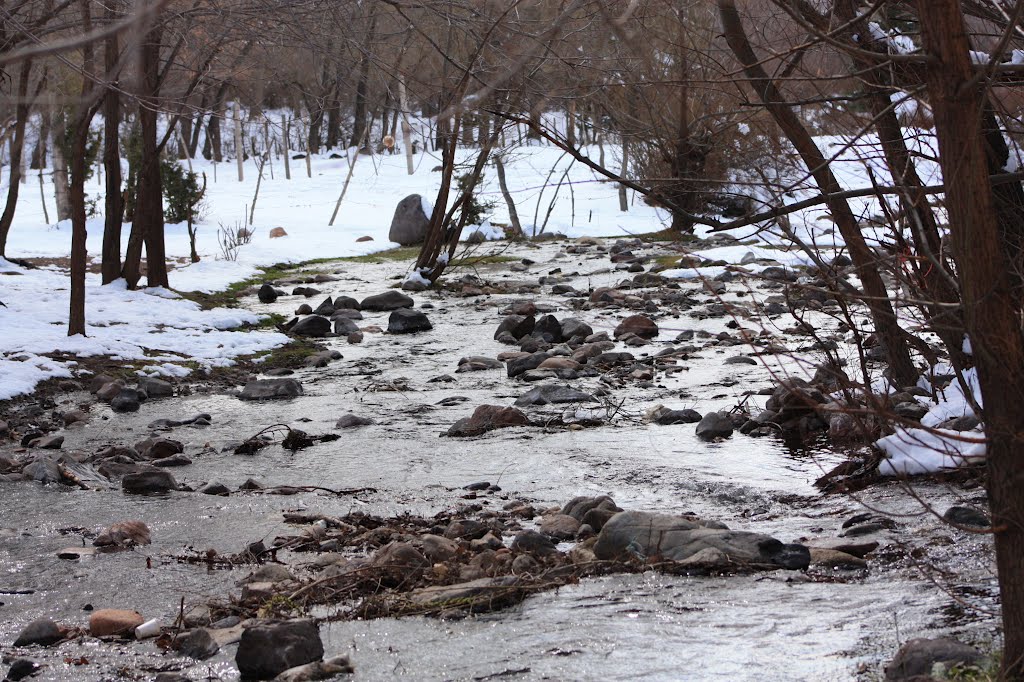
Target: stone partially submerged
[(663, 537)]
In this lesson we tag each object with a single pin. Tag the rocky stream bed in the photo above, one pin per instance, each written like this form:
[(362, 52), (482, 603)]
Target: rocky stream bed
[(556, 466)]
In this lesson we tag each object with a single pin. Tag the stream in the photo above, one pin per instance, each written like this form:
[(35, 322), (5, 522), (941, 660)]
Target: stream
[(782, 625)]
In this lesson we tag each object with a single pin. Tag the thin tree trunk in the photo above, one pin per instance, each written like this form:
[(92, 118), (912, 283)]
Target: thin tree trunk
[(236, 115), (80, 138), (406, 128), (359, 122), (513, 214), (113, 201), (992, 305), (17, 149), (285, 145), (623, 200), (876, 298)]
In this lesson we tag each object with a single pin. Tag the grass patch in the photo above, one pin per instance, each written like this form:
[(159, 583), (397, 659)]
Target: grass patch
[(401, 253), (473, 261), (667, 235), (292, 355)]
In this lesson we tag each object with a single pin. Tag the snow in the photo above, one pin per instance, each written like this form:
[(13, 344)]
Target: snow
[(415, 277), (921, 451)]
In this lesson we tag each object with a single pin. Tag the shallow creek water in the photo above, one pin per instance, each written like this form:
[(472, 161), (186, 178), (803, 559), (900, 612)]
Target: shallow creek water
[(780, 626)]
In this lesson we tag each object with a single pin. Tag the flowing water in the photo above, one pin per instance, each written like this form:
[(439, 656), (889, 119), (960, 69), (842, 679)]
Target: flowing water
[(780, 626)]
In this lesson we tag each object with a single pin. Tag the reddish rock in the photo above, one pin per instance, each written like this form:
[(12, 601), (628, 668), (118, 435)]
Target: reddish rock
[(488, 418), (278, 232), (108, 622), (640, 325)]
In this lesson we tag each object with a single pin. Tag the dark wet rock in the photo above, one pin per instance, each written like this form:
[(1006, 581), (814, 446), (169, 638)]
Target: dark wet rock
[(548, 328), (553, 394), (42, 469), (466, 529), (342, 303), (264, 389), (52, 442), (267, 294), (304, 309), (488, 418), (967, 516), (349, 421), (197, 643), (572, 327), (343, 326), (124, 534), (399, 562), (597, 517), (478, 363), (778, 273), (579, 507), (966, 422), (666, 416), (314, 326), (41, 631), (678, 538), (612, 359), (214, 488), (326, 308), (22, 668), (149, 483), (251, 484), (794, 398), (202, 419), (269, 648), (156, 388), (408, 321), (479, 485), (517, 326), (127, 400), (532, 542), (638, 325), (438, 549), (559, 526), (159, 448), (714, 425), (389, 300), (321, 359), (740, 360), (918, 657), (109, 390), (409, 224), (354, 337), (517, 366)]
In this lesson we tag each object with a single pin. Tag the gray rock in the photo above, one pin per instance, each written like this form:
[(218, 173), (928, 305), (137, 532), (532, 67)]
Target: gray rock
[(343, 326), (678, 538), (532, 542), (326, 308), (409, 224), (159, 448), (156, 388), (389, 300), (43, 469), (149, 483), (549, 394), (22, 668), (268, 649), (319, 670), (124, 534), (264, 389), (214, 488), (198, 644), (313, 325), (47, 442), (572, 327), (461, 593), (519, 365), (127, 400), (408, 321), (919, 656), (476, 363), (346, 303), (740, 360), (714, 425), (488, 418), (667, 416), (517, 326), (967, 516), (349, 421), (41, 631), (559, 526)]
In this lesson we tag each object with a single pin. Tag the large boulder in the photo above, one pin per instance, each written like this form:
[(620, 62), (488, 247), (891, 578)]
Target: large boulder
[(150, 482), (389, 300), (678, 538), (553, 394), (268, 649), (641, 325), (488, 418), (917, 658), (314, 325), (409, 224), (264, 389), (41, 631), (408, 321)]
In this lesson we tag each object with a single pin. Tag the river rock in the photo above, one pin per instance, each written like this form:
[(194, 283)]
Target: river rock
[(268, 649), (389, 300), (463, 593), (52, 442), (109, 390), (408, 321), (326, 307), (197, 643), (640, 325), (127, 400), (714, 425), (156, 388), (677, 538), (399, 562), (573, 327), (532, 542), (409, 224), (488, 418), (265, 389), (477, 363), (559, 526), (666, 416), (548, 328), (124, 534), (314, 326), (517, 326), (41, 631), (438, 549), (214, 488), (835, 559), (149, 483), (579, 507), (267, 294), (967, 516), (517, 366), (549, 394), (22, 668), (159, 448), (343, 326), (110, 622), (349, 421), (918, 657), (318, 670), (43, 469)]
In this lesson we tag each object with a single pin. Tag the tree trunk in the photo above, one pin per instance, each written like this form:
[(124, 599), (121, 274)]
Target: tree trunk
[(406, 128), (513, 214), (623, 199), (359, 121), (113, 202), (17, 149), (992, 305), (60, 172), (239, 149), (39, 152), (876, 298), (80, 137)]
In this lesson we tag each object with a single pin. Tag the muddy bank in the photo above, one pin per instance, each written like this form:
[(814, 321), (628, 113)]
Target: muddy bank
[(409, 388)]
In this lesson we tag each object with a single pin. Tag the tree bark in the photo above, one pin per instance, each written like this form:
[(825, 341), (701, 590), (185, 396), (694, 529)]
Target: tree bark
[(359, 121), (113, 201), (992, 305), (876, 297), (17, 149)]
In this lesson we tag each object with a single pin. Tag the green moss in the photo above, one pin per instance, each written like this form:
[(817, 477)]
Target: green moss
[(667, 235), (292, 355), (473, 261), (401, 253)]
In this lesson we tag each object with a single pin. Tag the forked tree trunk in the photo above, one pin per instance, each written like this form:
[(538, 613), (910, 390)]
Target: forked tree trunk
[(876, 298), (992, 304)]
